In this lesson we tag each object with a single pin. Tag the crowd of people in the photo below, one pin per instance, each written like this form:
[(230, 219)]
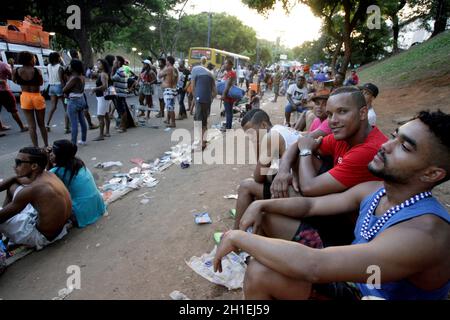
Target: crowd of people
[(330, 197)]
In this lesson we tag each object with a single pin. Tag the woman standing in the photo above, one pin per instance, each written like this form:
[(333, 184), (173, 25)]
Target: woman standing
[(102, 83), (31, 101), (56, 82), (87, 202), (76, 103)]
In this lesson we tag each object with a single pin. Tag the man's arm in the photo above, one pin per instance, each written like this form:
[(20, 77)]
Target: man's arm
[(302, 207), (230, 83), (289, 98), (399, 252), (7, 183), (312, 184), (283, 179), (21, 200)]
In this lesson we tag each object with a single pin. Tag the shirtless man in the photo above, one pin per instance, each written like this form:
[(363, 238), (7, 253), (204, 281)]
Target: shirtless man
[(402, 230), (169, 85), (37, 204)]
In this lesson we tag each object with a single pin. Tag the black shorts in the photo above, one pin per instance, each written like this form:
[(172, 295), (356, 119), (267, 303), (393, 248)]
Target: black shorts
[(202, 111), (266, 188), (335, 291), (8, 101)]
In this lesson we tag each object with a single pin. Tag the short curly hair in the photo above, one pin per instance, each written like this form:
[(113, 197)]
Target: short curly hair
[(438, 123)]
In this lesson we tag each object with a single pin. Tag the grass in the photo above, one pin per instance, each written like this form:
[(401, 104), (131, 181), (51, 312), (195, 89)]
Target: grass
[(430, 58)]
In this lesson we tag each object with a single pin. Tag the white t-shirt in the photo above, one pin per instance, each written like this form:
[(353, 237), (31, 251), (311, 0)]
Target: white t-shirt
[(372, 117), (297, 94)]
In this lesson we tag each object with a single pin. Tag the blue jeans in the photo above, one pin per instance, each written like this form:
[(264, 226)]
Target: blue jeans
[(228, 114), (181, 101), (75, 109)]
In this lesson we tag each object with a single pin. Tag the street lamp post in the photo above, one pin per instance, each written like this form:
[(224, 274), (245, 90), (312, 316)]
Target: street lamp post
[(134, 57)]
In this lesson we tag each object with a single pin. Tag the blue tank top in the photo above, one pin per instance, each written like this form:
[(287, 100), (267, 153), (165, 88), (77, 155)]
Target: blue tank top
[(403, 289)]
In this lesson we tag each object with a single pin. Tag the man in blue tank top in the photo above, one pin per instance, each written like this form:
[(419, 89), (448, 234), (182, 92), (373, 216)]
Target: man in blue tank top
[(402, 235)]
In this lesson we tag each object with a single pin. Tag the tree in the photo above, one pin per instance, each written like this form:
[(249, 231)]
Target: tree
[(392, 9), (353, 11), (100, 19)]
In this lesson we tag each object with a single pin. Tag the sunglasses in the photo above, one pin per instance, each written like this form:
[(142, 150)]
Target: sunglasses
[(19, 162)]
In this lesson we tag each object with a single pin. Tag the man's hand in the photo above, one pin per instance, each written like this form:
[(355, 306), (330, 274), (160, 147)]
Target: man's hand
[(224, 248), (309, 143), (280, 185), (252, 217)]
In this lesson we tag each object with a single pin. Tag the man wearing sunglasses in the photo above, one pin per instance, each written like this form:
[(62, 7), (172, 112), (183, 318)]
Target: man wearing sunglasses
[(37, 205)]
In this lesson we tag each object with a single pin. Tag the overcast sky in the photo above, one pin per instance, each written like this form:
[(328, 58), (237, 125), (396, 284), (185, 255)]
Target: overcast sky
[(293, 29)]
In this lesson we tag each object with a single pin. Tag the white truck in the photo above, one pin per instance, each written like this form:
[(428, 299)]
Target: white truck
[(11, 50)]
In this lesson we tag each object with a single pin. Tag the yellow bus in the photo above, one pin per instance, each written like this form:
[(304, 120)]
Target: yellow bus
[(214, 56)]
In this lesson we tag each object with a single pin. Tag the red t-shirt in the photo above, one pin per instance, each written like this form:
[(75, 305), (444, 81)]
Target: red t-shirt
[(350, 164), (229, 75)]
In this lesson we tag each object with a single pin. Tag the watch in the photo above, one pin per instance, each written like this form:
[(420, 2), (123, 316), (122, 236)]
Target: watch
[(305, 152)]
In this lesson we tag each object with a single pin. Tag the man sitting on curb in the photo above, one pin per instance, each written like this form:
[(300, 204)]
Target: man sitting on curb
[(37, 204), (275, 142), (402, 233), (297, 95), (352, 146)]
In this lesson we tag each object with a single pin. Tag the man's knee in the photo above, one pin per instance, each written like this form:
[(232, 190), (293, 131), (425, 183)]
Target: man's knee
[(255, 276), (246, 186)]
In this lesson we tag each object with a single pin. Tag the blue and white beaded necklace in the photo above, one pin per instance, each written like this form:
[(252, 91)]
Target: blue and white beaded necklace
[(367, 233)]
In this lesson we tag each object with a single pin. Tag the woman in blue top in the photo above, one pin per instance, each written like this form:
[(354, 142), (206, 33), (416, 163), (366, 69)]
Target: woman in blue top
[(87, 202)]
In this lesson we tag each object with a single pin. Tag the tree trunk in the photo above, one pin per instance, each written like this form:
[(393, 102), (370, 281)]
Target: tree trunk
[(335, 56), (395, 30), (441, 16), (347, 55)]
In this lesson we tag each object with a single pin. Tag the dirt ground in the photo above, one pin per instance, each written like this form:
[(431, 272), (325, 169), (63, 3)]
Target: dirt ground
[(139, 251)]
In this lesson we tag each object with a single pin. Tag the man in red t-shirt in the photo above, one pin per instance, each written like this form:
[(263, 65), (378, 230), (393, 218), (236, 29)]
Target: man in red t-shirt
[(351, 147), (230, 77)]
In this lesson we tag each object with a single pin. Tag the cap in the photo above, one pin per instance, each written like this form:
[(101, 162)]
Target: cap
[(321, 94), (147, 62), (372, 88)]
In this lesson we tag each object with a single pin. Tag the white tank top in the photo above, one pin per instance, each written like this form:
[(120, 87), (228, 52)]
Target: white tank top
[(53, 74), (289, 135)]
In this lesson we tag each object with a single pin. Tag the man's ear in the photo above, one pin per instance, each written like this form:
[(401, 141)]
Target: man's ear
[(433, 175), (34, 166)]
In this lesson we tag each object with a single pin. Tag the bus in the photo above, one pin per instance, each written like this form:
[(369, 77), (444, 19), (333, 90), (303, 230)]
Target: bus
[(215, 56)]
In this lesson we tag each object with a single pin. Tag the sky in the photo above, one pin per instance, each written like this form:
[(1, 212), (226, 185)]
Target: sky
[(293, 29)]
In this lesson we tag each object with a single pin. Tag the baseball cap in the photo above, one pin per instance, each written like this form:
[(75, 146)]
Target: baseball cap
[(321, 94), (372, 88), (147, 62)]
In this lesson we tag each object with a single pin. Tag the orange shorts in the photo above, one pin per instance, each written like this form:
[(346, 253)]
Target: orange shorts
[(31, 101)]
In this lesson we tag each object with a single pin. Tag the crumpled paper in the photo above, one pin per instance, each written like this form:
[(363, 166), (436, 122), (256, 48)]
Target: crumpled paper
[(233, 266)]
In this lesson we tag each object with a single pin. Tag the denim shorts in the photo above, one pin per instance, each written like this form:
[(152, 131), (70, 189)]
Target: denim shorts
[(55, 90), (289, 108)]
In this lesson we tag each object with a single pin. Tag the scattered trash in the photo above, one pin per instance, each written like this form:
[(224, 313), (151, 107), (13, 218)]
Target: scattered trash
[(177, 295), (233, 213), (138, 161), (145, 201), (167, 129), (108, 164), (201, 193), (94, 158), (185, 165), (231, 196), (97, 245), (233, 268), (202, 218), (63, 293), (217, 237), (213, 114), (134, 144)]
